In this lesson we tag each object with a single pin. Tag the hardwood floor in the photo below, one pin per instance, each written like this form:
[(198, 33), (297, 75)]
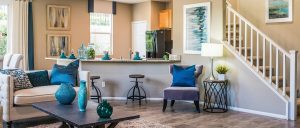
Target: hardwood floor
[(183, 115)]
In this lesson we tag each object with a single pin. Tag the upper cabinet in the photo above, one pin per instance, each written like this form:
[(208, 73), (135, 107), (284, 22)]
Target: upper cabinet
[(165, 19)]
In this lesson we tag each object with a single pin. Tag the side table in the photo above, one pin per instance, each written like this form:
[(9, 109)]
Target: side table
[(215, 96)]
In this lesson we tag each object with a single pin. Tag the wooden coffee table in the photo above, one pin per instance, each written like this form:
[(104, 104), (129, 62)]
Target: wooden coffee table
[(70, 114)]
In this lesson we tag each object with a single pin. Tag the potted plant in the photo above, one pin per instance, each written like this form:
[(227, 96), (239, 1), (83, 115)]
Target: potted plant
[(222, 70)]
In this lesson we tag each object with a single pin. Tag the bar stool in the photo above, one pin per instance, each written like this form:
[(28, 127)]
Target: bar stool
[(98, 96), (136, 87)]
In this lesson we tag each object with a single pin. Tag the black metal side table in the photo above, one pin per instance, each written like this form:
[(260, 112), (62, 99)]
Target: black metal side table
[(215, 96)]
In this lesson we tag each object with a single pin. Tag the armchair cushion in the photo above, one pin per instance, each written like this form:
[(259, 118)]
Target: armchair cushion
[(184, 77), (182, 93), (36, 94), (39, 78), (20, 78), (65, 74)]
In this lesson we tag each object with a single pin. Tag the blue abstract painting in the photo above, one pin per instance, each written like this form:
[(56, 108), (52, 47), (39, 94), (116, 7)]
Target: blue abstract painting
[(196, 27), (279, 10)]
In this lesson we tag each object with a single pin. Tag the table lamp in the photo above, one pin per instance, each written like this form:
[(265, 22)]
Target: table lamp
[(212, 50)]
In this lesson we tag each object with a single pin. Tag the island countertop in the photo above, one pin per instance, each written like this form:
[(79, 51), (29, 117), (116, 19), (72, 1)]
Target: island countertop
[(118, 60)]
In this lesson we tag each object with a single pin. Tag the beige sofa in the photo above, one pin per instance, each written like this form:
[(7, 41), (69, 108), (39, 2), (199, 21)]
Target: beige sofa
[(16, 105)]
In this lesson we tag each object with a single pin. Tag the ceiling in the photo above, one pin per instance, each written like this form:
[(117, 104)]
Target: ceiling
[(136, 1)]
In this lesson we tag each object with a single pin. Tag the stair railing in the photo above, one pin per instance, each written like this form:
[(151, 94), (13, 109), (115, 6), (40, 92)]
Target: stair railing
[(283, 59)]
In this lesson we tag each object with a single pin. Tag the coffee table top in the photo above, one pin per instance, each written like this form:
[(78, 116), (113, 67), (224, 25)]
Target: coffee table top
[(71, 114)]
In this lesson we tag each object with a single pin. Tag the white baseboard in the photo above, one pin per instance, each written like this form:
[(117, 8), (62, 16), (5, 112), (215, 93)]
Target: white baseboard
[(259, 113), (230, 107), (124, 98)]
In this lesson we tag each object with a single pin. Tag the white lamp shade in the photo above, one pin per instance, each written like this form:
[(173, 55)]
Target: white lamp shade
[(212, 49)]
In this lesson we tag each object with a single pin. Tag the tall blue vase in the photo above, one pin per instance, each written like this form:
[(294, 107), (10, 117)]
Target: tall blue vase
[(82, 96), (65, 94)]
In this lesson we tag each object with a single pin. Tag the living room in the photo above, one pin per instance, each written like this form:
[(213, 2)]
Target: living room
[(149, 63)]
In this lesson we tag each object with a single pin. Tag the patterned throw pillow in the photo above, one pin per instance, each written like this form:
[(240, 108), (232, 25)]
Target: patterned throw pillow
[(21, 80)]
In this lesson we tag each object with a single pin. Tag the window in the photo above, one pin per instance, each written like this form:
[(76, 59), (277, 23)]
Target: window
[(3, 29), (101, 32)]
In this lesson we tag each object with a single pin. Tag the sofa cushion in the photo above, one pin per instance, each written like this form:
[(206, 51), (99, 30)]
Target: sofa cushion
[(65, 74), (39, 78), (21, 80), (182, 93), (36, 94)]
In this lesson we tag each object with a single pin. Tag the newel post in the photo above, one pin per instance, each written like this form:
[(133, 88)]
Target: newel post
[(293, 86)]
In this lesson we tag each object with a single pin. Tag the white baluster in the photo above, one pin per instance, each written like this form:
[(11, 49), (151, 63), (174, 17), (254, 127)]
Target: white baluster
[(240, 36), (270, 69), (277, 68), (251, 47), (284, 76), (257, 51), (229, 26), (234, 31), (264, 57), (246, 32)]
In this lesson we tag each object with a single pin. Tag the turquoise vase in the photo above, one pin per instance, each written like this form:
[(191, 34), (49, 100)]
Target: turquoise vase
[(82, 96), (65, 94), (72, 56), (106, 57), (104, 109), (137, 56), (62, 56)]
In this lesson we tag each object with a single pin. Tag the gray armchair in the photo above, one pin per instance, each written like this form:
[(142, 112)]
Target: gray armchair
[(183, 93)]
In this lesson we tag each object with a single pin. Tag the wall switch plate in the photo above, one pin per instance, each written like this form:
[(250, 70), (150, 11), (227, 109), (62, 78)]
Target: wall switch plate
[(103, 84)]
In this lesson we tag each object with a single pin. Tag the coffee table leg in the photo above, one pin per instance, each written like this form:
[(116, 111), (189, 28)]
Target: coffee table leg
[(113, 125), (100, 126), (64, 125)]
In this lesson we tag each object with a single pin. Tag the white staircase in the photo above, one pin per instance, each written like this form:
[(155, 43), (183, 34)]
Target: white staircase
[(266, 59)]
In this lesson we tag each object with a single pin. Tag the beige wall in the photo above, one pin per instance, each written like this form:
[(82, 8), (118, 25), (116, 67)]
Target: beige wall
[(254, 95), (142, 12), (286, 35), (80, 29), (122, 31)]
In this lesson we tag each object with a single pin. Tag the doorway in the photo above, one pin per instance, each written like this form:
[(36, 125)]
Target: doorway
[(139, 29)]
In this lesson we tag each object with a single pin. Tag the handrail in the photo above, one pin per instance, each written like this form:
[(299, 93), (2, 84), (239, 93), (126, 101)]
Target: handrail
[(257, 30)]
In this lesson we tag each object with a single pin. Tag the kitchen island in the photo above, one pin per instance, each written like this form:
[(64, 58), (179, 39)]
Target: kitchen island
[(115, 81)]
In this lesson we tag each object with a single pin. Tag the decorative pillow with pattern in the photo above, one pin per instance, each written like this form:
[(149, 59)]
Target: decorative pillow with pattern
[(21, 80)]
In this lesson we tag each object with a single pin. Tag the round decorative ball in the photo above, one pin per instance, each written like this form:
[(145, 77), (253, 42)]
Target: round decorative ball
[(104, 109), (65, 94)]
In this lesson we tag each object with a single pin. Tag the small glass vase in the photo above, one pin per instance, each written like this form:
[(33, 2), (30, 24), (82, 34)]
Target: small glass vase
[(82, 96), (82, 52)]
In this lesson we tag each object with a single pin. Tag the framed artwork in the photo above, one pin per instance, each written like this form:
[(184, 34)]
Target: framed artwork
[(196, 27), (58, 17), (57, 43), (279, 11)]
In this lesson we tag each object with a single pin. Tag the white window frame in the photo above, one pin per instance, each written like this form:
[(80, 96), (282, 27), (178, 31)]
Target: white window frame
[(10, 24), (111, 35)]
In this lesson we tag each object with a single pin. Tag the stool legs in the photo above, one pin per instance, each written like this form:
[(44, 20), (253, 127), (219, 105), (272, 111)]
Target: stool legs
[(138, 97), (98, 92)]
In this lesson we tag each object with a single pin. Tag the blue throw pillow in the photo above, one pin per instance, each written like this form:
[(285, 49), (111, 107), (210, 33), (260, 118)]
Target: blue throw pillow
[(184, 77), (65, 74), (39, 78)]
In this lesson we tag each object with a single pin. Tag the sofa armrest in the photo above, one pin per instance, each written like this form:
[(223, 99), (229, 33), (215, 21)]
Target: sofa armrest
[(6, 95), (85, 76)]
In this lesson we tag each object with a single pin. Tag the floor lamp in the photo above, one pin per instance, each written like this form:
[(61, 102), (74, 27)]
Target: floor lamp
[(212, 50)]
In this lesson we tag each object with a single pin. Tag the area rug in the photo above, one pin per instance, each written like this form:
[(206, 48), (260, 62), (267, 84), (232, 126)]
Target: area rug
[(140, 123)]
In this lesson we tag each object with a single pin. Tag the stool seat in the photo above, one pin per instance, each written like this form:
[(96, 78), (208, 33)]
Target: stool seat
[(94, 77), (136, 76)]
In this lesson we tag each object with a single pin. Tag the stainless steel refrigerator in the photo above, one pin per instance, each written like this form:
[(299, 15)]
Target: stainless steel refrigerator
[(158, 42)]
